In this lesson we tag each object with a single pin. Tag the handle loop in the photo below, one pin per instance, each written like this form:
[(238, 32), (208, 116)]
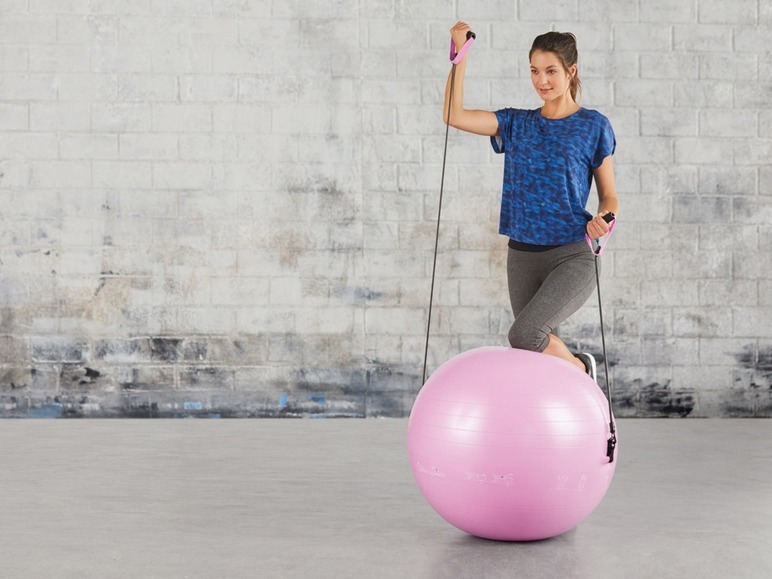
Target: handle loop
[(456, 57), (601, 247)]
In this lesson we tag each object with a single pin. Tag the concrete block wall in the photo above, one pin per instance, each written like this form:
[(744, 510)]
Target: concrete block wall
[(228, 207)]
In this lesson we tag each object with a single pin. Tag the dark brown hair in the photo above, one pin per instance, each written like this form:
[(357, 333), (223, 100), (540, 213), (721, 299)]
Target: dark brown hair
[(563, 44)]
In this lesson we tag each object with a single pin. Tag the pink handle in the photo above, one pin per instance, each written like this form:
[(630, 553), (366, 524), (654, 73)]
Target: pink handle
[(456, 57), (601, 248)]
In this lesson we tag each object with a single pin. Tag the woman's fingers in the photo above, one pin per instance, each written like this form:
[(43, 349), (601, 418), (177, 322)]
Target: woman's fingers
[(458, 33), (597, 227)]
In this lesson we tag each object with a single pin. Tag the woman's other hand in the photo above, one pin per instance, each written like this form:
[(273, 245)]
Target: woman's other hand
[(597, 226)]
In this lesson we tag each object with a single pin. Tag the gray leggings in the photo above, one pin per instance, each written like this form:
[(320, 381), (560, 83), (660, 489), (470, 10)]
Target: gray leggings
[(545, 288)]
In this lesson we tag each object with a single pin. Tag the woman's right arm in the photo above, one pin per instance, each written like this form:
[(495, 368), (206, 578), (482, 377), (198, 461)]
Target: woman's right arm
[(472, 121)]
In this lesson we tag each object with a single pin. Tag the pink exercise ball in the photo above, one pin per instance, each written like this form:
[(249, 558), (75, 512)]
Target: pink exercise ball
[(510, 445)]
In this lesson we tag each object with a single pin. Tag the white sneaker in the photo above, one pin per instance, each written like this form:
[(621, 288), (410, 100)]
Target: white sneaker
[(589, 363)]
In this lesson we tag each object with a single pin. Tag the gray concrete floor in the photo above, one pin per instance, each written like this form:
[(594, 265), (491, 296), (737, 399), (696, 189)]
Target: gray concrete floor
[(336, 498)]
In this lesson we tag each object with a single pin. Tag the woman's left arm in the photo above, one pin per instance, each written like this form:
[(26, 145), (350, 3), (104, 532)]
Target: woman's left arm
[(607, 198)]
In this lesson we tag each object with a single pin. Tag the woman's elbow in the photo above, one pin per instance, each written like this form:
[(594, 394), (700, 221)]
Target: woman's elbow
[(449, 120)]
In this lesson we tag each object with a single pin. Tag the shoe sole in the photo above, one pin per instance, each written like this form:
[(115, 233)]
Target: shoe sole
[(593, 373)]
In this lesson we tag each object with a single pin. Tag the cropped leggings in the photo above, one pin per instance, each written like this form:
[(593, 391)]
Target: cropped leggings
[(545, 289)]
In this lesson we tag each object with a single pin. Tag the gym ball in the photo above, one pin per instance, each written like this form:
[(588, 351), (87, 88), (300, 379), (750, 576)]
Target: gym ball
[(510, 445)]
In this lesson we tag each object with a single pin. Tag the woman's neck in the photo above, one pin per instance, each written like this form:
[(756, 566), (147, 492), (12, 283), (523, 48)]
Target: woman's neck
[(560, 108)]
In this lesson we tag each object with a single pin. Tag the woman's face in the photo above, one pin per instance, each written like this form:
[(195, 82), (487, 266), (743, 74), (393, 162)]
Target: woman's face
[(548, 76)]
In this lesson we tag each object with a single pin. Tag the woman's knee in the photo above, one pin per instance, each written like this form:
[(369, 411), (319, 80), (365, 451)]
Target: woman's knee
[(526, 337)]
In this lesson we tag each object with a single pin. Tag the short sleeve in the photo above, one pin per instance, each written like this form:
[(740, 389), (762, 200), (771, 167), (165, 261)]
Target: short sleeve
[(607, 143), (500, 142)]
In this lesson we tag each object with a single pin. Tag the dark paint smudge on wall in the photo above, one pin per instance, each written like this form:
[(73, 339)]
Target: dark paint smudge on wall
[(181, 377)]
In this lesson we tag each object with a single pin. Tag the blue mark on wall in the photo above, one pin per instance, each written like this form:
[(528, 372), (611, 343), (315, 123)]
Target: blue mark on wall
[(283, 400), (46, 411), (193, 406)]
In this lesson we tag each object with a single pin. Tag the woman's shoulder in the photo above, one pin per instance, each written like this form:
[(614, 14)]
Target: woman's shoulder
[(594, 116), (517, 113)]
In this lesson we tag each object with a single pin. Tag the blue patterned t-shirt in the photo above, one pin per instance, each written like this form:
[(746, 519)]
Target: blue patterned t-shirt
[(548, 169)]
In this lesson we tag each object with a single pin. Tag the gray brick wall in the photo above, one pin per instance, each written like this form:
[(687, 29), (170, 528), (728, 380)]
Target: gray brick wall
[(227, 208)]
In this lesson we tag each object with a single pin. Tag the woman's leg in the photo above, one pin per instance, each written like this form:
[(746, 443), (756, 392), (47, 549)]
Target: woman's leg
[(557, 348), (564, 281)]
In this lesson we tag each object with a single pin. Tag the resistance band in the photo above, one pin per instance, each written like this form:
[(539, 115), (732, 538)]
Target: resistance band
[(455, 58), (597, 251)]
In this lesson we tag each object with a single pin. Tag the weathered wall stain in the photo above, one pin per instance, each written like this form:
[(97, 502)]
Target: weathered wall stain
[(166, 349), (662, 400)]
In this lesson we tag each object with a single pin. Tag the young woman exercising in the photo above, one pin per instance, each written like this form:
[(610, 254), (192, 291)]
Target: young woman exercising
[(552, 154)]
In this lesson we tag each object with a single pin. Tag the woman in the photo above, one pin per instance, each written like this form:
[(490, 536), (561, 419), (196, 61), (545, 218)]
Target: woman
[(552, 154)]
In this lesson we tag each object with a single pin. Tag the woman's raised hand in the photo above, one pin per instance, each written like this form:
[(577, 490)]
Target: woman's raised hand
[(458, 34)]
